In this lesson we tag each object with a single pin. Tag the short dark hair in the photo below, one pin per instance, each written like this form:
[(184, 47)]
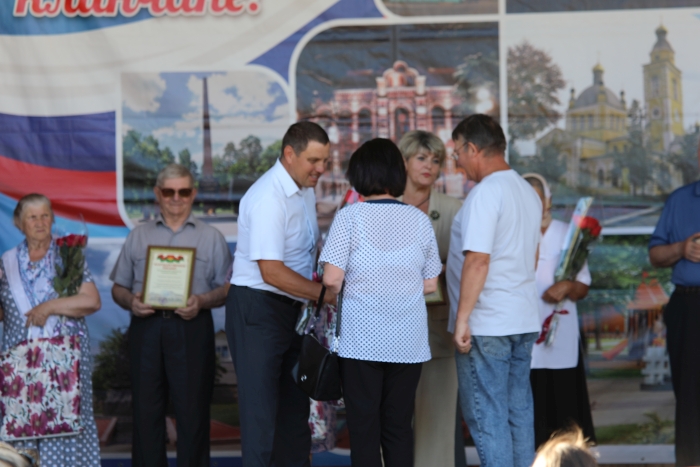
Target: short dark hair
[(377, 168), (484, 132), (299, 135)]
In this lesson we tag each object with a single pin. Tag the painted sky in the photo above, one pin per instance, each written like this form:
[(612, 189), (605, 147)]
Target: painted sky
[(621, 40), (168, 106)]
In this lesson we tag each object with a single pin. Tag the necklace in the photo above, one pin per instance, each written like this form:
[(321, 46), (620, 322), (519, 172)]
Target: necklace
[(422, 202)]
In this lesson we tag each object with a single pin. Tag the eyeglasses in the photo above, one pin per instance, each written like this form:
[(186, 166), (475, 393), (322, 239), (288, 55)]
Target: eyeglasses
[(170, 192), (455, 153)]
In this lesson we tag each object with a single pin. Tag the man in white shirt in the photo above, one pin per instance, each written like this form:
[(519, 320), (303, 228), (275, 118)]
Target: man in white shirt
[(494, 303), (273, 266)]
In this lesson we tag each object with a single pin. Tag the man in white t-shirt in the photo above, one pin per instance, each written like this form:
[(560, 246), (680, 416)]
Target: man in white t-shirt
[(271, 282), (494, 302)]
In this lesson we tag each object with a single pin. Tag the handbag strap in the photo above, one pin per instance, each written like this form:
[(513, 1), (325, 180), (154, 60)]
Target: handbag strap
[(317, 314), (319, 303), (339, 308)]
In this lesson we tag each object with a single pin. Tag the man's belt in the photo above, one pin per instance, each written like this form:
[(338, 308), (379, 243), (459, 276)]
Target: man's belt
[(682, 289), (282, 298)]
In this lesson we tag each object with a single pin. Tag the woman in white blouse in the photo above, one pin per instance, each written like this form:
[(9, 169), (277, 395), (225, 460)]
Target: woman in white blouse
[(386, 254), (557, 375)]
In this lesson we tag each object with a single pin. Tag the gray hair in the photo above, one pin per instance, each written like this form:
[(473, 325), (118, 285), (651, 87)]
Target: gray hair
[(173, 171), (417, 141), (31, 199)]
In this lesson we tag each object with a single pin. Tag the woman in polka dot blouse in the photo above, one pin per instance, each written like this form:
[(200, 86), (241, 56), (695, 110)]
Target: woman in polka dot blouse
[(386, 254)]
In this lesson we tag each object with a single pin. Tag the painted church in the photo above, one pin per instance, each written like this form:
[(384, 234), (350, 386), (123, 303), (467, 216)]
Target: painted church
[(597, 125)]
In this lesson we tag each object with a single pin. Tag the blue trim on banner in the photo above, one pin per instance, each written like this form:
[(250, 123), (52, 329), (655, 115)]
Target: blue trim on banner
[(278, 57), (31, 26), (78, 142), (11, 236)]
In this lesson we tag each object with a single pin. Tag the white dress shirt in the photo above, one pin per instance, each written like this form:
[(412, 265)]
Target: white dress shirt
[(563, 353), (276, 221), (501, 217)]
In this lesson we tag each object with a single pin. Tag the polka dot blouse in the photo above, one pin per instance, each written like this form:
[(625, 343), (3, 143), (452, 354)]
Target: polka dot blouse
[(386, 249)]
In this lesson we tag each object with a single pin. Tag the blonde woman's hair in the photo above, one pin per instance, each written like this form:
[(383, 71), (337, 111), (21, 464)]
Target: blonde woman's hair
[(417, 141), (566, 449), (31, 199), (173, 171)]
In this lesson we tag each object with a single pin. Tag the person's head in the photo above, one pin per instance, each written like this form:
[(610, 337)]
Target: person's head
[(175, 191), (424, 154), (478, 139), (305, 152), (33, 216), (565, 449), (541, 187), (377, 168)]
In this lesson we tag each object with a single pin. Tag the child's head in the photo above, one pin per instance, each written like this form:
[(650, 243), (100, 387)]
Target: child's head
[(565, 449)]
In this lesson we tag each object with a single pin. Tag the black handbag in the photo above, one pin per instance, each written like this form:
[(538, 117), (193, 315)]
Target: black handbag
[(317, 372)]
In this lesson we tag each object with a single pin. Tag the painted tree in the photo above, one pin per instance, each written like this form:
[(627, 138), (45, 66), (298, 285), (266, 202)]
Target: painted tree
[(185, 159), (635, 161), (477, 80), (686, 159), (534, 81)]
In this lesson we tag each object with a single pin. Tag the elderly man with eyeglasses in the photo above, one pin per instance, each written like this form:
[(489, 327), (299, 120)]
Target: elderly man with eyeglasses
[(172, 351)]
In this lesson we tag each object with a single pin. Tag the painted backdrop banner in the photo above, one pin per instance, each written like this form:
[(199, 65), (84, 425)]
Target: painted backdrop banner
[(600, 97)]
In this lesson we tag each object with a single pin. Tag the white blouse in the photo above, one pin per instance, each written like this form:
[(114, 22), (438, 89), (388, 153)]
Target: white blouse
[(563, 353), (386, 249)]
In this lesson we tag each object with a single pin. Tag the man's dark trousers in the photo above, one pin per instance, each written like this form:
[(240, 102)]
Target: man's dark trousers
[(274, 412), (682, 318), (175, 357)]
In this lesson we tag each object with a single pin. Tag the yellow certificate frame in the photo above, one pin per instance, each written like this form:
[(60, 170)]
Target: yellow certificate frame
[(167, 282)]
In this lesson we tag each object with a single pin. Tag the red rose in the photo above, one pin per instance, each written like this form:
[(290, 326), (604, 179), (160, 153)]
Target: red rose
[(591, 224), (72, 241)]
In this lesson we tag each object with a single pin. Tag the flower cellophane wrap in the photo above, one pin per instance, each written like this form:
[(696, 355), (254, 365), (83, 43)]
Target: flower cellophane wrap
[(70, 268), (582, 231), (40, 384)]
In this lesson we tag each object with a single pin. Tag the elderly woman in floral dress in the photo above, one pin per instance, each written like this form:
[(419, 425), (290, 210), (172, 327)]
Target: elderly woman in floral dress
[(30, 304)]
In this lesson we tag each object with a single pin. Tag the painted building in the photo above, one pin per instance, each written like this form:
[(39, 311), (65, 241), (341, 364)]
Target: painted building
[(598, 124), (663, 94), (400, 102)]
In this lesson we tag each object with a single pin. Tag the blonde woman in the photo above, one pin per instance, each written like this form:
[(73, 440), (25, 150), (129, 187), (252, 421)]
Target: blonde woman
[(438, 442)]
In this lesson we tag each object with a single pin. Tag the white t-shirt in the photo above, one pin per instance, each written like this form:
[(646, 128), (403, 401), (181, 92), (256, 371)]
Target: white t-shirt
[(563, 353), (501, 217), (386, 249), (276, 221)]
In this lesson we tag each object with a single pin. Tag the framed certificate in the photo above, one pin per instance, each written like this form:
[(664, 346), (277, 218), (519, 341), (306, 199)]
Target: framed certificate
[(167, 282), (437, 297)]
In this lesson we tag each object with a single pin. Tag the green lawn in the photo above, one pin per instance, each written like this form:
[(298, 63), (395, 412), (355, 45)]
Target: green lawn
[(654, 431)]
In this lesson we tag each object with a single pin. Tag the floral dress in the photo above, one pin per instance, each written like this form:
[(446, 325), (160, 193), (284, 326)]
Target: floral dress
[(67, 451)]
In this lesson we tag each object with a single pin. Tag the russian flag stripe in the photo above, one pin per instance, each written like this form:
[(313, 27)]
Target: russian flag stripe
[(83, 142), (72, 192)]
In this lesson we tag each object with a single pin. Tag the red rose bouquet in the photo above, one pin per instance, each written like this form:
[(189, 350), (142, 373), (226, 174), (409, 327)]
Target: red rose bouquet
[(583, 231), (70, 268)]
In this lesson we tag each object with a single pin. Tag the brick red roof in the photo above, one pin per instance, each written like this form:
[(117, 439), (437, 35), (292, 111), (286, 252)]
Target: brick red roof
[(649, 296)]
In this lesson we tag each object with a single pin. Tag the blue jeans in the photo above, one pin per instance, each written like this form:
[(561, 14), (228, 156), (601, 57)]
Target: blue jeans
[(496, 398)]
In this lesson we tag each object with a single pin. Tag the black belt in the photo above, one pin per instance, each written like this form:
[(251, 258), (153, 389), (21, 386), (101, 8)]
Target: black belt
[(682, 289), (282, 298)]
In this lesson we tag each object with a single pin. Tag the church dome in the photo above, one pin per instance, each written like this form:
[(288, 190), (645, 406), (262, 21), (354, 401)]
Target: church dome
[(661, 41), (590, 95)]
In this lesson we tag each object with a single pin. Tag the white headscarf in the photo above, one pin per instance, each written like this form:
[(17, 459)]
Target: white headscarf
[(547, 208)]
